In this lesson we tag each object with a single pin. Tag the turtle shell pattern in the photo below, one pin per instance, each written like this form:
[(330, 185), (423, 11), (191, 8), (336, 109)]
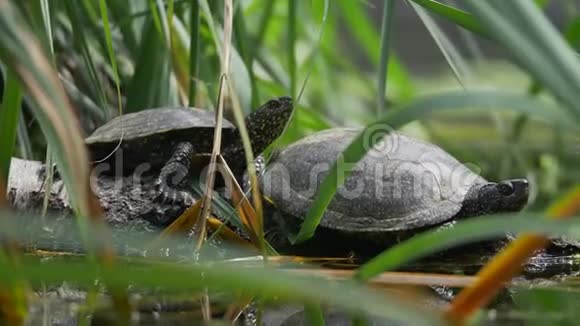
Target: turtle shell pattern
[(151, 135), (401, 184)]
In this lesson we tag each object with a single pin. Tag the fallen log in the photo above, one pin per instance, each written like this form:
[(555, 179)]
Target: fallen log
[(123, 199)]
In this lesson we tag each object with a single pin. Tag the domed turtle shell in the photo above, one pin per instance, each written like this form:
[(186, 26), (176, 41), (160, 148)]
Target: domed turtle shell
[(151, 135), (402, 183)]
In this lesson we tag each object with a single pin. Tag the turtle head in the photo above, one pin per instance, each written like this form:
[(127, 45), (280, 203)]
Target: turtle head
[(268, 122), (489, 198)]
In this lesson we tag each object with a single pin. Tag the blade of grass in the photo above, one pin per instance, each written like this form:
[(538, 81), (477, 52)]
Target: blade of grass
[(487, 100), (80, 42), (509, 262), (313, 56), (194, 50), (291, 39), (258, 223), (232, 278), (256, 42), (394, 278), (466, 231), (454, 15), (217, 136), (206, 200), (121, 13), (234, 92), (111, 52), (236, 309), (9, 115), (265, 20), (150, 85), (238, 74), (248, 215), (21, 50), (386, 24), (535, 44), (24, 144), (243, 44), (46, 19), (178, 47), (157, 21), (360, 24), (107, 257), (458, 65), (572, 36), (48, 180)]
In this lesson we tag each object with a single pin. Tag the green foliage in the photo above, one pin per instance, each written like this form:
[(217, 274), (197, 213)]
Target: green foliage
[(8, 123), (130, 55)]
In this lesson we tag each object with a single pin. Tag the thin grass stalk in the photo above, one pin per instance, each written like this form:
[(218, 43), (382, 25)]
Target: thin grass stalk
[(251, 168), (153, 7), (80, 40), (194, 51), (225, 68), (49, 168), (454, 15), (232, 93), (291, 43), (315, 53), (170, 14), (112, 59), (383, 72), (48, 181), (92, 12), (265, 19), (120, 298), (24, 143), (453, 57), (46, 19), (201, 225), (162, 15), (244, 44)]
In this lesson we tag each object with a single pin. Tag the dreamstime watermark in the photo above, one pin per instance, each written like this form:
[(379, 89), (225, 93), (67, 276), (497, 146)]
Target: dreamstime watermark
[(395, 170), (118, 172), (390, 180), (380, 140)]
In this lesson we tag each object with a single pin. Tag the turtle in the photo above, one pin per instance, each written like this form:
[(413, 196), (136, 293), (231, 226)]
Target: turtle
[(165, 140), (400, 187)]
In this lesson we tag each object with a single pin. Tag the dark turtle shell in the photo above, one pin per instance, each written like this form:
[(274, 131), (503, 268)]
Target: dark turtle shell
[(149, 136)]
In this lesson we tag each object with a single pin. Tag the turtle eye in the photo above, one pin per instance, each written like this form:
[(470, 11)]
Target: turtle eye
[(505, 188), (274, 104)]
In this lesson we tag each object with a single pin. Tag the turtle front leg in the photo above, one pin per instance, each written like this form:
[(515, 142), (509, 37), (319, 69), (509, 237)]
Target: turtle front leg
[(173, 174)]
